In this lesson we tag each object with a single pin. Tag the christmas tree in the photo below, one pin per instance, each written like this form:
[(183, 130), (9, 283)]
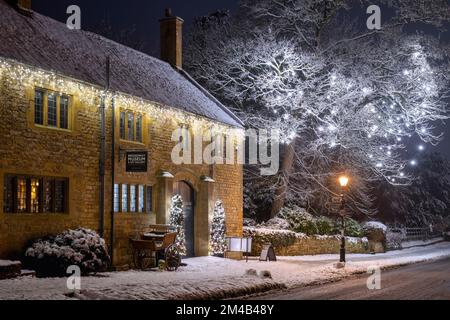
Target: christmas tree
[(177, 220), (218, 242)]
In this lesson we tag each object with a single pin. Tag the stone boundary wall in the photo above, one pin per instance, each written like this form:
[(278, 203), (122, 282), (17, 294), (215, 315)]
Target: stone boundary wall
[(289, 243)]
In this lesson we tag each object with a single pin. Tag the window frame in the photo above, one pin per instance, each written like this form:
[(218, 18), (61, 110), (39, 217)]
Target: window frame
[(45, 110), (40, 194), (138, 120), (146, 209)]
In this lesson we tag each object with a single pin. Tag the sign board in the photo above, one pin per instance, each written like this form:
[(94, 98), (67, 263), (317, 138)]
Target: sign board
[(136, 161), (267, 253)]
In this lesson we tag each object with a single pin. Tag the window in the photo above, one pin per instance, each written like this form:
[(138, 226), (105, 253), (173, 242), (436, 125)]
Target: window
[(131, 126), (122, 125), (51, 109), (64, 112), (39, 107), (139, 196), (149, 199), (141, 204), (132, 198), (34, 195), (116, 198), (26, 194), (124, 198), (139, 128)]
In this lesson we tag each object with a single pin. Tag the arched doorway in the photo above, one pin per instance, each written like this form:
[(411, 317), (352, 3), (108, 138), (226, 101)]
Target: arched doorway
[(188, 195)]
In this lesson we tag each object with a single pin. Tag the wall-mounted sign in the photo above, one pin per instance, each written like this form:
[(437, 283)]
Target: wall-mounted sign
[(136, 161)]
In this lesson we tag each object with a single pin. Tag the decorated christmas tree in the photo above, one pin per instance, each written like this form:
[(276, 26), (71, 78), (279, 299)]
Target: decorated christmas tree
[(177, 220), (218, 242)]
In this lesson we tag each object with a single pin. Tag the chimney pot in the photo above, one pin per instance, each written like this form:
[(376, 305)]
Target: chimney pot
[(168, 12)]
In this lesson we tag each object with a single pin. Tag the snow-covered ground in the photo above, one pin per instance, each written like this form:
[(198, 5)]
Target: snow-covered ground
[(215, 278)]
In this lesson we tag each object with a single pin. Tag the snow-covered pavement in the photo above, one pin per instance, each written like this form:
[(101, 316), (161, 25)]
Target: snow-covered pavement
[(215, 278)]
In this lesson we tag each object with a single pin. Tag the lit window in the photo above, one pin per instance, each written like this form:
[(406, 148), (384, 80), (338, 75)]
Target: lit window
[(35, 194), (21, 195)]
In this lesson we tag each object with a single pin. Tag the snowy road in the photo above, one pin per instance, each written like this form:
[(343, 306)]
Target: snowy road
[(423, 281)]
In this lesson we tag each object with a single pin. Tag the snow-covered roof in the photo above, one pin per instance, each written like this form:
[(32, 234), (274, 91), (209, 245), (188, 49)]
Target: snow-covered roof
[(42, 42)]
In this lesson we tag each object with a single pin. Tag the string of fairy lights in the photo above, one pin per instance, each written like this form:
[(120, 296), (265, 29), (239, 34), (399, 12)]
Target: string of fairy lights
[(13, 72)]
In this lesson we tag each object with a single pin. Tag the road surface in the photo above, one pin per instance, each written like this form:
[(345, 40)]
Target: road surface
[(423, 281)]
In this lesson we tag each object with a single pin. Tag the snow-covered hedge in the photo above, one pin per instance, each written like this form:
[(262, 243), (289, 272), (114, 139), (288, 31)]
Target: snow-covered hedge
[(375, 225), (298, 220), (278, 238), (52, 256)]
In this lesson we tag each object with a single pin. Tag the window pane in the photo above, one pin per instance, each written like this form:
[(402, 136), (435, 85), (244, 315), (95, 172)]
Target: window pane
[(139, 128), (64, 112), (116, 198), (124, 198), (149, 199), (122, 125), (141, 199), (132, 198), (8, 195), (21, 195), (60, 196), (38, 107), (34, 195), (48, 195), (52, 109), (131, 126)]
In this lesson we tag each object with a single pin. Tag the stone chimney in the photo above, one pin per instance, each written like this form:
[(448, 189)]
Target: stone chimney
[(171, 39), (23, 6)]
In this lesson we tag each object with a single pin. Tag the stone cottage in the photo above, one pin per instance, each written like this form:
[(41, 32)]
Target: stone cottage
[(87, 134)]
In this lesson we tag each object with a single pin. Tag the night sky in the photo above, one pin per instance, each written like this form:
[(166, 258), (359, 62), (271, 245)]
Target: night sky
[(144, 15)]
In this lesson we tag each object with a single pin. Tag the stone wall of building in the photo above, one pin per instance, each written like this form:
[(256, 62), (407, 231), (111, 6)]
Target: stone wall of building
[(74, 154)]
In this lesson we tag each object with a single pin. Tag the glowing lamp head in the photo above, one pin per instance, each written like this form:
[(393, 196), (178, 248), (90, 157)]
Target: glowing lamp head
[(343, 181)]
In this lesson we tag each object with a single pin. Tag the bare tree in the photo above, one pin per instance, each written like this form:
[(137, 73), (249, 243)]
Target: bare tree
[(345, 98)]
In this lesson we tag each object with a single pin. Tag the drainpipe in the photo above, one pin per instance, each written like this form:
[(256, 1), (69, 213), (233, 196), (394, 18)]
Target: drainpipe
[(102, 155), (113, 169)]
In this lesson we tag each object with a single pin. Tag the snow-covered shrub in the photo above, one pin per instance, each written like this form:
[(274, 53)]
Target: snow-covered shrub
[(277, 223), (325, 225), (248, 222), (52, 256), (395, 237), (374, 225), (353, 228), (376, 233), (177, 220), (218, 242), (299, 220)]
